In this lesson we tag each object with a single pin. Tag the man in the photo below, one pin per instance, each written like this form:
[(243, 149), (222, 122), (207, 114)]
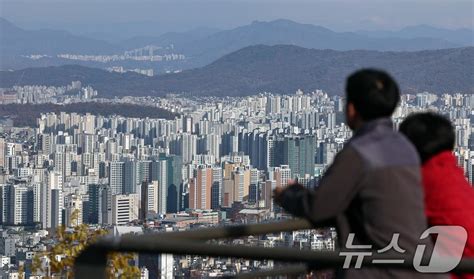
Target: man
[(373, 188), (449, 196)]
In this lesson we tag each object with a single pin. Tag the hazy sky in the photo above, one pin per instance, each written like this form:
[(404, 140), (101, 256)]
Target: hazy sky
[(143, 17)]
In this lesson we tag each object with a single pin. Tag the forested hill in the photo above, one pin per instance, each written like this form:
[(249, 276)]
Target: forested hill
[(279, 69)]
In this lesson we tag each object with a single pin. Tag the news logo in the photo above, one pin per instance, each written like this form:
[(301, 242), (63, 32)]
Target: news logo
[(445, 256)]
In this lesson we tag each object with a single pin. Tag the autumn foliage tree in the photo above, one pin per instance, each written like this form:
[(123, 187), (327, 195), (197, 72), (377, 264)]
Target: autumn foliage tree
[(69, 244)]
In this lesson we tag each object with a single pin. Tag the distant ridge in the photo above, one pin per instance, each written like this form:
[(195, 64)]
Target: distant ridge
[(461, 36), (282, 31), (279, 69), (17, 41), (201, 46)]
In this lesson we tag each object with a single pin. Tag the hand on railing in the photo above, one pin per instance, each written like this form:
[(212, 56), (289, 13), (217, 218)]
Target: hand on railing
[(281, 195)]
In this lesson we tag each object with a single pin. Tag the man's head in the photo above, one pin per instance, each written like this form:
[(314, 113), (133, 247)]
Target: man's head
[(431, 133), (371, 94)]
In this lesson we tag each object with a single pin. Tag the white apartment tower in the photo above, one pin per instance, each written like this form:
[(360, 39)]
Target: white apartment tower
[(124, 209)]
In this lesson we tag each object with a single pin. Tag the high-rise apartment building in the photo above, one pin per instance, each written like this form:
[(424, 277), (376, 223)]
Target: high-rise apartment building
[(149, 199), (52, 202), (116, 177), (73, 210), (299, 154), (159, 172), (2, 153), (200, 188)]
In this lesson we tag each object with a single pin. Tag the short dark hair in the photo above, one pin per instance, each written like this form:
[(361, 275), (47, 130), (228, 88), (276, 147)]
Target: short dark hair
[(374, 93), (431, 133)]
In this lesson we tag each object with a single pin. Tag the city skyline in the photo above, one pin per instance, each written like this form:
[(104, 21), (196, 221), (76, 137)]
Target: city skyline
[(216, 162)]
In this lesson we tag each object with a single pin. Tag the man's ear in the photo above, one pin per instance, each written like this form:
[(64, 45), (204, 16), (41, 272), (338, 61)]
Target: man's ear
[(352, 116), (351, 111)]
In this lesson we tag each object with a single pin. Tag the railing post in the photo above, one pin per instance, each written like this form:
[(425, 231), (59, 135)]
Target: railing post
[(91, 263)]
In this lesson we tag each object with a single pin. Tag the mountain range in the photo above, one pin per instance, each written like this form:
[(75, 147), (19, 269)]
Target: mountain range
[(461, 36), (204, 45), (278, 69), (17, 41), (208, 48)]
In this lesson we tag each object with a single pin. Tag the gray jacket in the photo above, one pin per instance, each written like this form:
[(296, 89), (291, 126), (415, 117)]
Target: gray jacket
[(373, 189)]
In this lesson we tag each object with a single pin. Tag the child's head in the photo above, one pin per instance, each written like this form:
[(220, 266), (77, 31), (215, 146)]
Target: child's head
[(431, 133)]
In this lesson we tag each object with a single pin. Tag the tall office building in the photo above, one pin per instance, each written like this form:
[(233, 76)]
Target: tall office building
[(124, 209), (99, 204), (174, 180)]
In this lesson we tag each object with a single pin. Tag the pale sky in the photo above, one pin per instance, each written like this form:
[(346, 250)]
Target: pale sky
[(146, 17)]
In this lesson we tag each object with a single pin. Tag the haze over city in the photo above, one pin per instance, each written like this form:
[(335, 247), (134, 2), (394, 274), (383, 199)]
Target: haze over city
[(271, 135), (143, 17)]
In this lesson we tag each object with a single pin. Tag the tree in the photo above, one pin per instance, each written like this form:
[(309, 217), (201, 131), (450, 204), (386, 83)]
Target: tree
[(21, 272), (70, 243)]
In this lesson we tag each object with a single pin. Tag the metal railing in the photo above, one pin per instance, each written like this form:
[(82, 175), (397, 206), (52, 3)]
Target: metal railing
[(92, 262)]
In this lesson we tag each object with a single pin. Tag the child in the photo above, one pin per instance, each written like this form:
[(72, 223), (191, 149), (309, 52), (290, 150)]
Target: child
[(449, 197)]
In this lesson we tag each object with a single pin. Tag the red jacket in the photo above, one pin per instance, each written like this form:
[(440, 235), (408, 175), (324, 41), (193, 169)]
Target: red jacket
[(449, 197)]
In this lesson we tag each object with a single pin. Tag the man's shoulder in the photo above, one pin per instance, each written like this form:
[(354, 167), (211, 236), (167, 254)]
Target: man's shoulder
[(385, 149)]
